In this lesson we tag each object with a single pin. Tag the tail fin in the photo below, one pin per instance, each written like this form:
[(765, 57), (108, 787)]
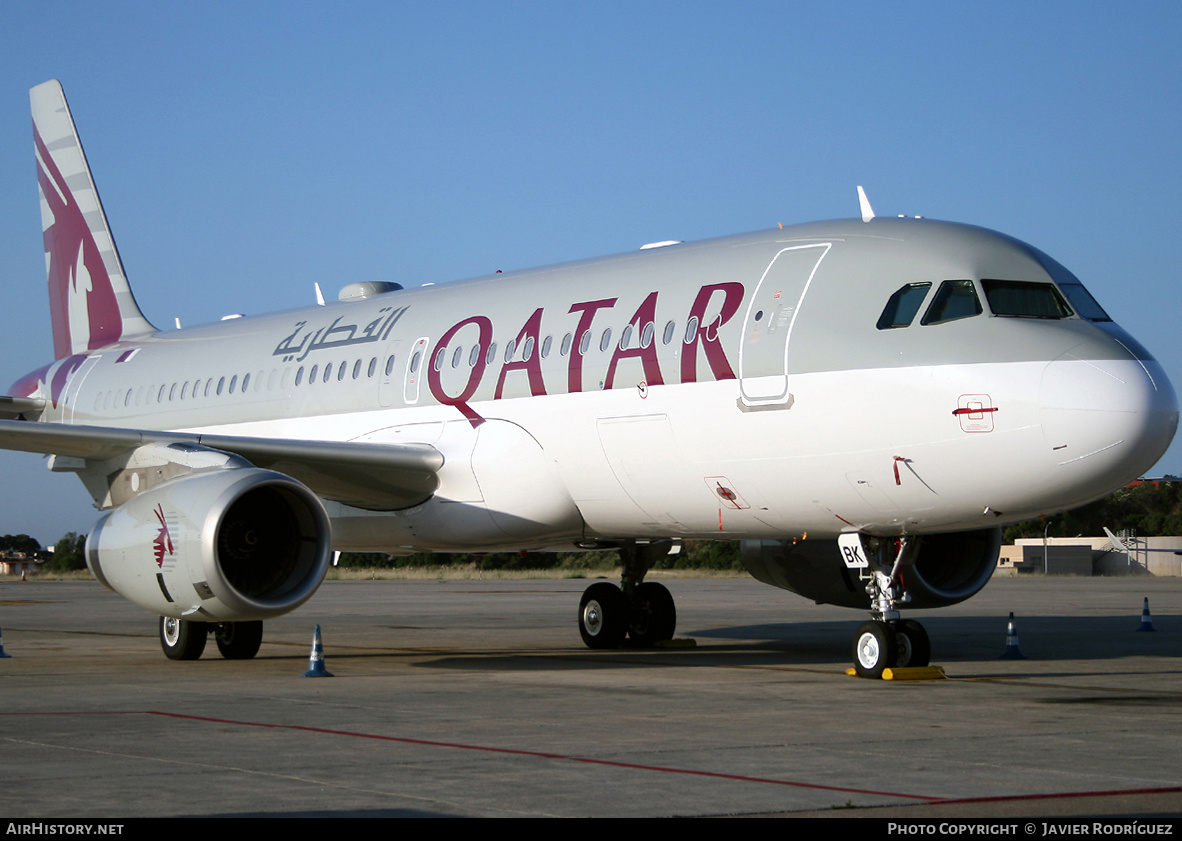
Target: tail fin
[(90, 301)]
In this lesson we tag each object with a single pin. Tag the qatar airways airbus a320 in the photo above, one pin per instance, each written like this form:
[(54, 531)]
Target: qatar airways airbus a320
[(863, 403)]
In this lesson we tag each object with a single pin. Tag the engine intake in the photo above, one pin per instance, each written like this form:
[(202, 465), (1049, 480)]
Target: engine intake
[(228, 545)]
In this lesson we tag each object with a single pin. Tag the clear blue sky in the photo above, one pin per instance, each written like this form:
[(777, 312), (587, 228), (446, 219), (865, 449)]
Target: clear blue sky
[(246, 150)]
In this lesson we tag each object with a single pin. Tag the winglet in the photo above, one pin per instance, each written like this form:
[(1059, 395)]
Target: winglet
[(864, 203), (90, 301)]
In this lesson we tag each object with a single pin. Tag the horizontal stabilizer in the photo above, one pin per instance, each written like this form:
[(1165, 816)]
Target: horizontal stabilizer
[(28, 408)]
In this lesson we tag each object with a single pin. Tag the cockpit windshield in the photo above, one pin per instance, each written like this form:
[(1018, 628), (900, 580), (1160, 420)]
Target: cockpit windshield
[(1070, 286), (954, 299), (1024, 299)]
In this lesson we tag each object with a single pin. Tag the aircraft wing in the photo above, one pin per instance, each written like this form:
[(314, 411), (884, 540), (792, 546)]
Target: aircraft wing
[(381, 477)]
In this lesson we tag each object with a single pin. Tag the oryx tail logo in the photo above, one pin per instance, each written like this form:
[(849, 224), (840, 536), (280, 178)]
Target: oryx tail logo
[(163, 542), (81, 297)]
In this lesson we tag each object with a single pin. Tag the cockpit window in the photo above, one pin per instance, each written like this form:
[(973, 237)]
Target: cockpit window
[(1024, 299), (1070, 286), (954, 299), (901, 309), (1083, 301)]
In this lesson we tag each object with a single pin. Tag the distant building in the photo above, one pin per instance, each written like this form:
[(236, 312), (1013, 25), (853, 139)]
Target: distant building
[(1159, 556), (16, 563)]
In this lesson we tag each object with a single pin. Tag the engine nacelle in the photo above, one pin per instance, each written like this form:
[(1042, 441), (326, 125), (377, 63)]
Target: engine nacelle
[(949, 569), (228, 545)]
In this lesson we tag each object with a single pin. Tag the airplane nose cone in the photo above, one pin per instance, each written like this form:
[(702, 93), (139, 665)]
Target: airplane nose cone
[(1107, 421)]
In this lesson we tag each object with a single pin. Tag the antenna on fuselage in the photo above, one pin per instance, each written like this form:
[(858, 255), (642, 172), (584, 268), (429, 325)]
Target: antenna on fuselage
[(319, 295), (864, 204)]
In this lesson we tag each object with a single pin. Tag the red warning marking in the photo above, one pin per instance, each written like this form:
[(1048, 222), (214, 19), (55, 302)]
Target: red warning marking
[(896, 465), (975, 412)]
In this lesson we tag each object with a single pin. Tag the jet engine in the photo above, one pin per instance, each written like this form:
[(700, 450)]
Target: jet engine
[(232, 545), (949, 568)]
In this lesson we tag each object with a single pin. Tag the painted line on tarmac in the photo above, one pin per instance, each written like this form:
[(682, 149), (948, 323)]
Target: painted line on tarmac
[(544, 755)]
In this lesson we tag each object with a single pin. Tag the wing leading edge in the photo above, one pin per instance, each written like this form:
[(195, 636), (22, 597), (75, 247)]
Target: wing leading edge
[(380, 477)]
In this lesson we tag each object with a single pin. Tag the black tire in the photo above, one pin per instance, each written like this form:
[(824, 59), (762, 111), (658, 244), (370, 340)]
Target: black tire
[(239, 640), (654, 615), (603, 616), (915, 649), (875, 649), (182, 639)]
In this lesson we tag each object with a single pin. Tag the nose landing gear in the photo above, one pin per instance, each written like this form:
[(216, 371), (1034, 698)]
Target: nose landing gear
[(886, 641)]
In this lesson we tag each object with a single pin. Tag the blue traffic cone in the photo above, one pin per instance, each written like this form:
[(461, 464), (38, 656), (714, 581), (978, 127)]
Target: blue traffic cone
[(2, 654), (1146, 619), (1012, 652), (316, 660)]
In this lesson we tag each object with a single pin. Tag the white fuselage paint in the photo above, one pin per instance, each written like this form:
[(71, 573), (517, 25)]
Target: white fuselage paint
[(805, 419)]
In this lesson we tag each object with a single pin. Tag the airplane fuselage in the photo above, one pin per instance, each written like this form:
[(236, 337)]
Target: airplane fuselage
[(739, 387)]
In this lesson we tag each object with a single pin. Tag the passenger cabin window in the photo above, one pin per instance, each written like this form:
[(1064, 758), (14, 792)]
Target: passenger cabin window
[(1023, 299), (953, 300), (903, 306)]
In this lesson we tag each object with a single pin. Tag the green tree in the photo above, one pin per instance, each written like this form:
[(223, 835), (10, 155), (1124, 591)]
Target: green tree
[(1149, 508), (13, 543), (69, 553)]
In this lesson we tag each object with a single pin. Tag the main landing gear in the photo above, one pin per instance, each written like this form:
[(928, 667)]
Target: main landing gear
[(642, 610), (887, 640), (182, 639)]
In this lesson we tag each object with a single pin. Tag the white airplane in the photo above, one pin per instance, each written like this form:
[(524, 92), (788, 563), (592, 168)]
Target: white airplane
[(863, 403)]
